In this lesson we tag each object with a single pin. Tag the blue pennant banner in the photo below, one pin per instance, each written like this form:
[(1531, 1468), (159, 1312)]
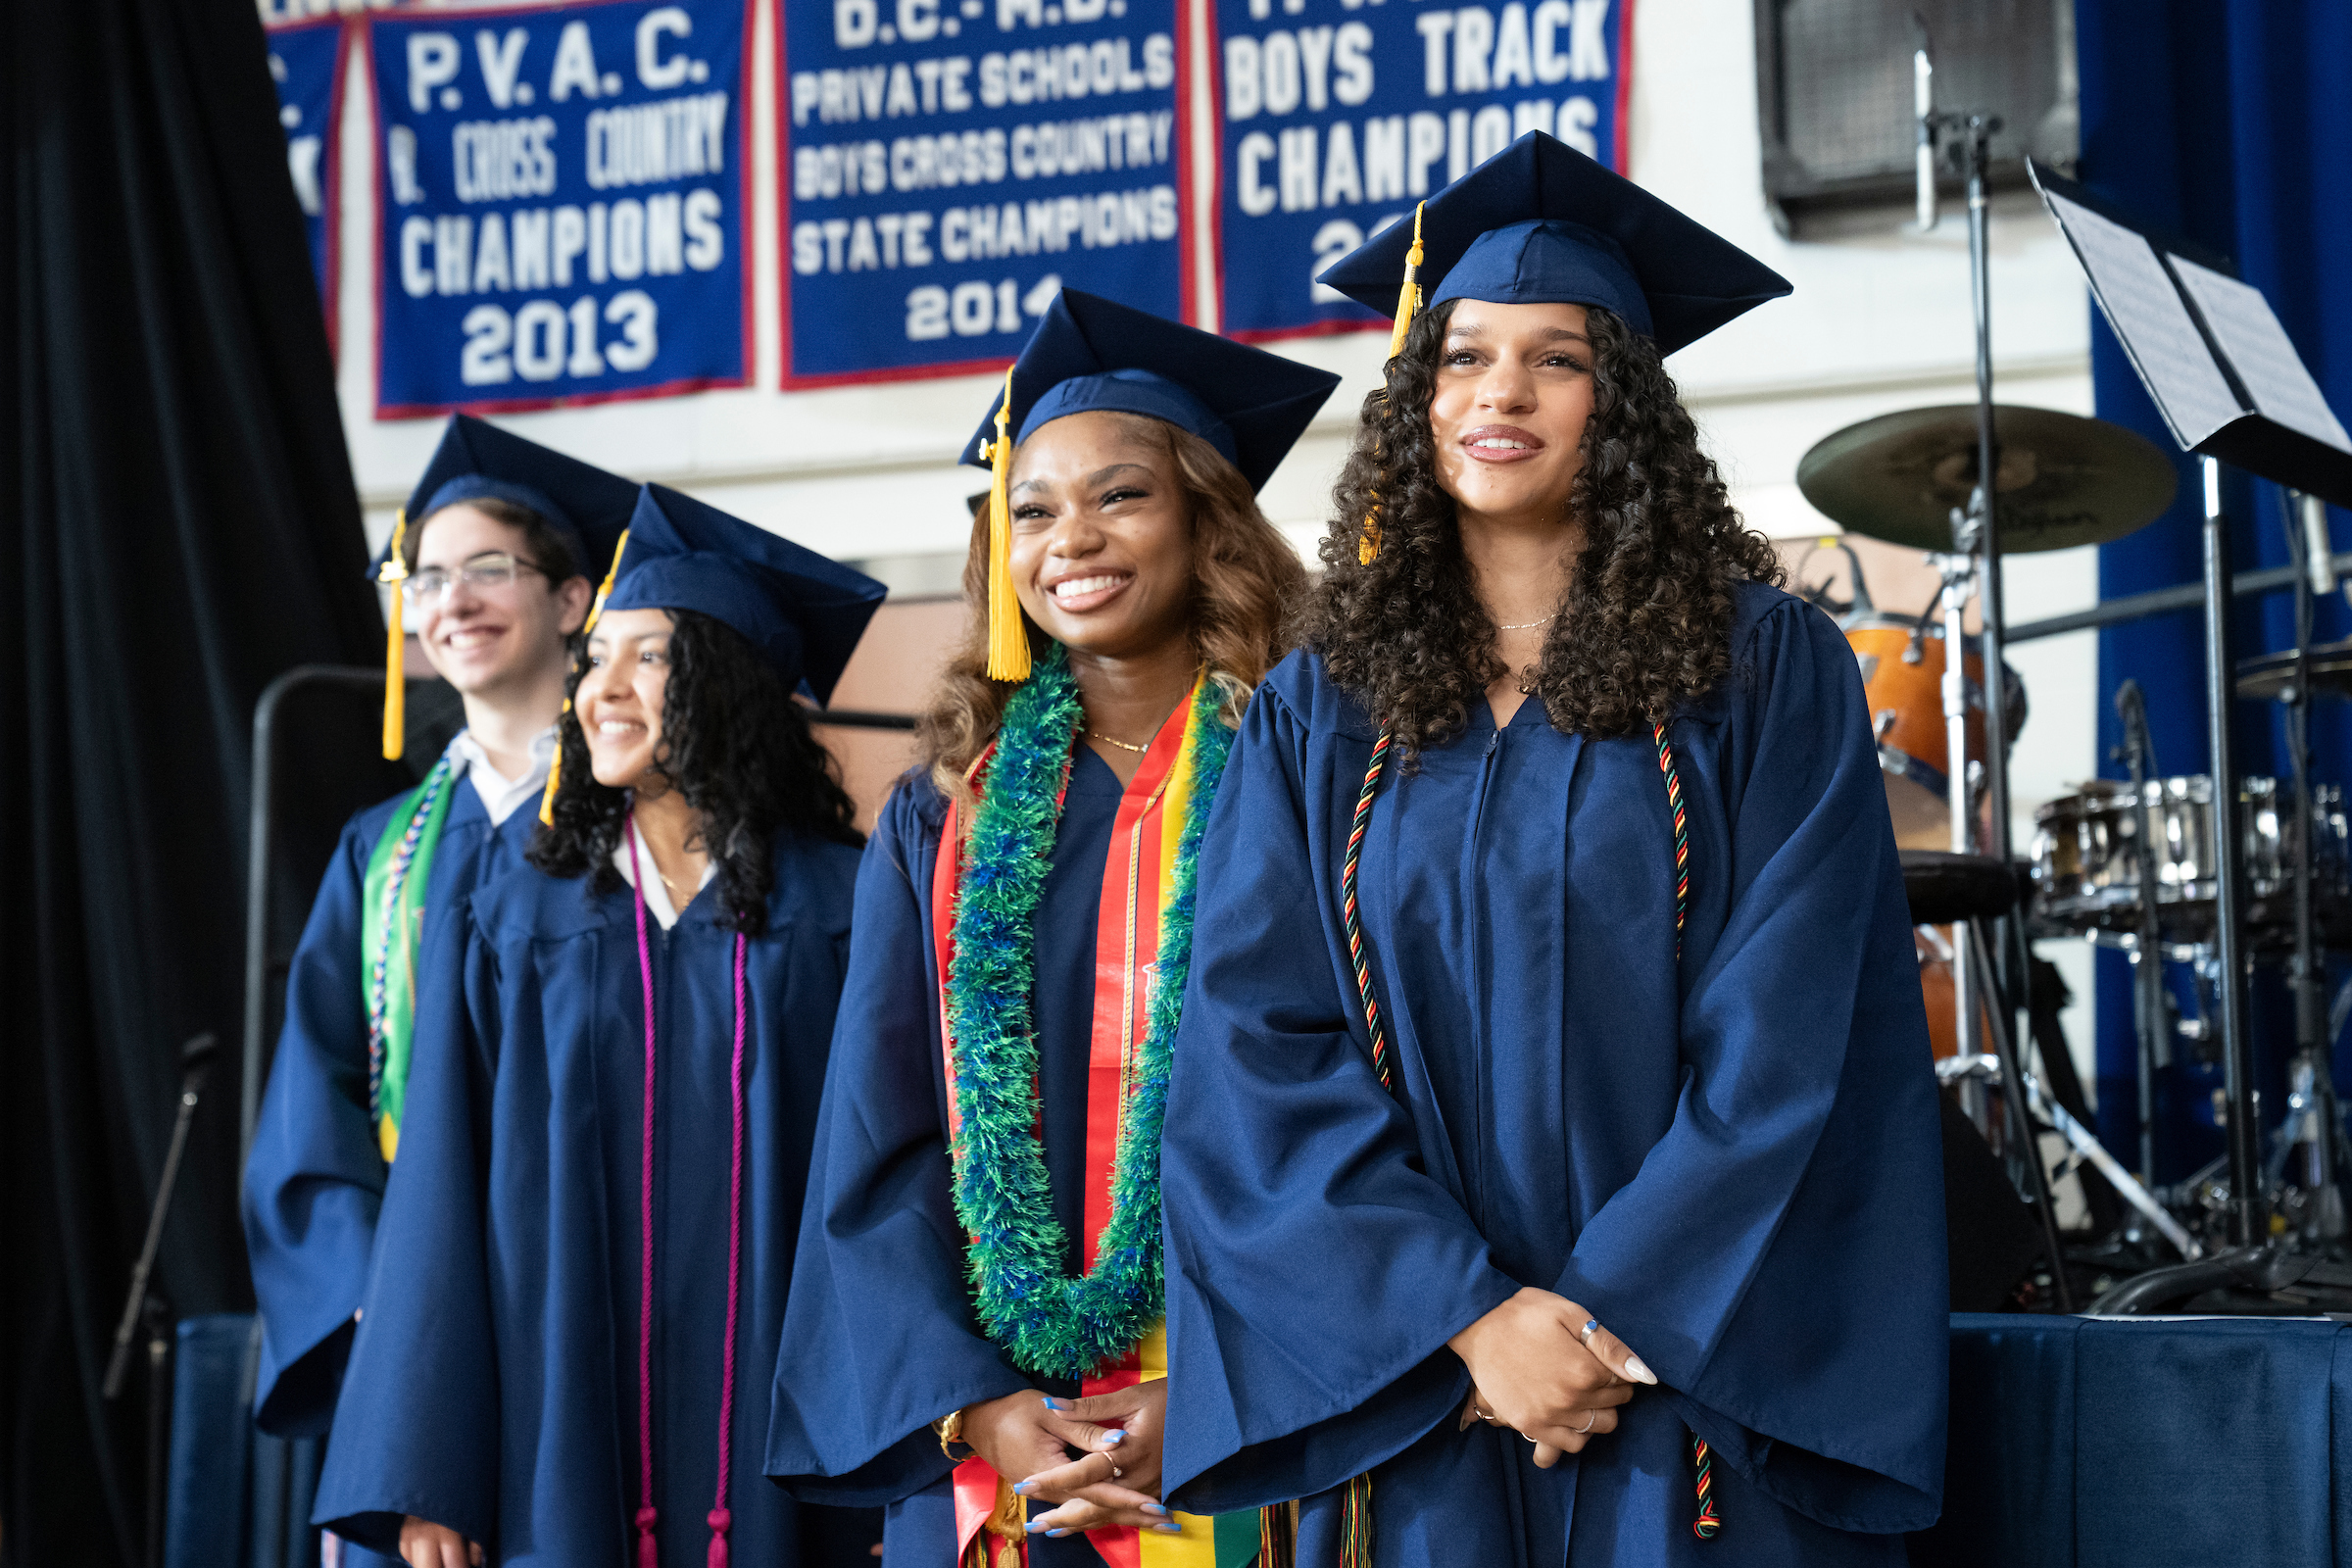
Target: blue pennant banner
[(1335, 116), (306, 62), (561, 198), (948, 165)]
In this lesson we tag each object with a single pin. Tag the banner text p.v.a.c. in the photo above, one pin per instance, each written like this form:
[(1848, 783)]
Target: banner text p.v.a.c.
[(561, 204)]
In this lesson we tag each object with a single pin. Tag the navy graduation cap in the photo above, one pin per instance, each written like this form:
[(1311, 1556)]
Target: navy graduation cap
[(1540, 224), (475, 460), (1091, 352), (801, 612)]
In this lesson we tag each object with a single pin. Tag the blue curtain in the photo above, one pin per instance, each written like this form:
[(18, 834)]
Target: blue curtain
[(2229, 123)]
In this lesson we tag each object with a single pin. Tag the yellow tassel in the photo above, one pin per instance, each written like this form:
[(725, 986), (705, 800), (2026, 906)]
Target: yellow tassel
[(393, 573), (1408, 301), (1008, 639), (1408, 297), (555, 763)]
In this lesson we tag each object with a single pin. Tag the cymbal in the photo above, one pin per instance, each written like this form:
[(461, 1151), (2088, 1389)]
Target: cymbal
[(2064, 480), (2270, 676)]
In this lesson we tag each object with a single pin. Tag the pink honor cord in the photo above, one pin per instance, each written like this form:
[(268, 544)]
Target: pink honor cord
[(648, 1553), (721, 1519)]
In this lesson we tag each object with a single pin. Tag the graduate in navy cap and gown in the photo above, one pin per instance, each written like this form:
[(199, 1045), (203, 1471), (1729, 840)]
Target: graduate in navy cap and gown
[(1550, 1168), (490, 564), (583, 1253), (974, 1331)]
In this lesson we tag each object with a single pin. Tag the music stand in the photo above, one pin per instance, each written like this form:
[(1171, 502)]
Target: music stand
[(2230, 387)]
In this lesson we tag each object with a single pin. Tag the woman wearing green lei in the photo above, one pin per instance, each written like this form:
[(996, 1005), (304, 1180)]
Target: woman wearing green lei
[(973, 1338)]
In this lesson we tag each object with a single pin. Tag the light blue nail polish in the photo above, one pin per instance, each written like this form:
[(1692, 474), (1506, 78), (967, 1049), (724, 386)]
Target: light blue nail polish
[(1057, 1533), (1153, 1507), (1171, 1528), (1022, 1487), (1033, 1526), (1114, 1436), (1052, 1404)]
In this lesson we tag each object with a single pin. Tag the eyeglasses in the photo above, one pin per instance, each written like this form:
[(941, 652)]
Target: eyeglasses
[(493, 568)]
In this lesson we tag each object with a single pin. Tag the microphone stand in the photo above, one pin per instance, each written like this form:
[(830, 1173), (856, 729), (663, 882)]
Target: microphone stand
[(142, 1305)]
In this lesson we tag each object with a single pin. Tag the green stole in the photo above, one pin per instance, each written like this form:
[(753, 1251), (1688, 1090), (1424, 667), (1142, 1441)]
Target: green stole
[(391, 926)]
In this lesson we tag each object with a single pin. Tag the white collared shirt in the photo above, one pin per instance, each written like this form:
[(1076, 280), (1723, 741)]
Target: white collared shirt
[(656, 892), (500, 794)]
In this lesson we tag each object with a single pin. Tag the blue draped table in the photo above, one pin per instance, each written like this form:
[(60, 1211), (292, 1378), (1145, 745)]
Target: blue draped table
[(2121, 1443)]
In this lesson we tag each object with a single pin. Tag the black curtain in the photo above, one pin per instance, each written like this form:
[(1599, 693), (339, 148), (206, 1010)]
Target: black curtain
[(177, 526)]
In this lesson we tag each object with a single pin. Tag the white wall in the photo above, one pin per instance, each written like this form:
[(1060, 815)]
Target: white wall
[(1879, 322)]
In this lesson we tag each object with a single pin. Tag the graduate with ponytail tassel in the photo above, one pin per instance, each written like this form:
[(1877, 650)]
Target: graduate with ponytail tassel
[(1551, 1166), (974, 1331), (490, 566), (582, 1258)]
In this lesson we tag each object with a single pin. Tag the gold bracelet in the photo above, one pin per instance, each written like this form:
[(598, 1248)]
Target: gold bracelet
[(949, 1427)]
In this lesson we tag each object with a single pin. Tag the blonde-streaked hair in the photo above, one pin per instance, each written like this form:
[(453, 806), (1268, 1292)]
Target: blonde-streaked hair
[(1245, 580)]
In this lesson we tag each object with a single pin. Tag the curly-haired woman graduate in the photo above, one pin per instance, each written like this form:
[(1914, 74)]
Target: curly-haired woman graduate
[(1551, 1168), (983, 1235), (582, 1259)]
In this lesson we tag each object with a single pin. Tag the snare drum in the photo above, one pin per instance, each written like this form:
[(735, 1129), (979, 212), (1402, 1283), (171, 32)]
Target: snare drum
[(1906, 714), (2087, 875)]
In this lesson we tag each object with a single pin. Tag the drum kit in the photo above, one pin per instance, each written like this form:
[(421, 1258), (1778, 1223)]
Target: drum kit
[(2123, 863)]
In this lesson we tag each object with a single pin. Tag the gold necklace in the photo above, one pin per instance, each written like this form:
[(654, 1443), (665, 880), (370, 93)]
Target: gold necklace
[(1122, 745)]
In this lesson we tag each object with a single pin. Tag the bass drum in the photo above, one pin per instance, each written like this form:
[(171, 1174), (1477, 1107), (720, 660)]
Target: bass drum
[(1906, 714)]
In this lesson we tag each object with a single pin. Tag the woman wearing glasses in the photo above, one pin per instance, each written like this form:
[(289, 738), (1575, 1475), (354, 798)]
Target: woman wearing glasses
[(491, 567)]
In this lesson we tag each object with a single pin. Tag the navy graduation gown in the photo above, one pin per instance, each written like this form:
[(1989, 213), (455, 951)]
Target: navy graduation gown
[(1733, 1161), (316, 1178), (493, 1383), (881, 1340)]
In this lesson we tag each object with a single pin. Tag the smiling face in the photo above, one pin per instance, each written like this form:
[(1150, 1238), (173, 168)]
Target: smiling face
[(1102, 536), (486, 640), (620, 695), (1514, 389)]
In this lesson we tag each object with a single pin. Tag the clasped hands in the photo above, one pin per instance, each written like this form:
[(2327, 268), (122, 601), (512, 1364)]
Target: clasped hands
[(1535, 1366), (1116, 1478)]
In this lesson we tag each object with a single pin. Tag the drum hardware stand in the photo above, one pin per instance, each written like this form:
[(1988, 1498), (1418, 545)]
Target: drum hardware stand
[(2013, 1094), (2312, 1105), (2139, 756), (2086, 1145), (1959, 571)]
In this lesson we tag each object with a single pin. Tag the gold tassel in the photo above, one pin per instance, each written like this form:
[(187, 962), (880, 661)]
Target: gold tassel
[(1408, 297), (1408, 301), (555, 763), (1008, 638), (393, 573)]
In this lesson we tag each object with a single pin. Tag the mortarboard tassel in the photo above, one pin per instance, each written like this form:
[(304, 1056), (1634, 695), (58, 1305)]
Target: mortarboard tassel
[(1408, 297), (555, 763), (393, 573), (1008, 639), (1408, 301)]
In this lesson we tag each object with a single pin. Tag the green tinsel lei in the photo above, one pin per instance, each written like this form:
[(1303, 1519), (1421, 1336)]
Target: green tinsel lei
[(1054, 1325)]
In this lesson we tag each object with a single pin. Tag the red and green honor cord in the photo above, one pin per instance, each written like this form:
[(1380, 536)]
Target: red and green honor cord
[(391, 926)]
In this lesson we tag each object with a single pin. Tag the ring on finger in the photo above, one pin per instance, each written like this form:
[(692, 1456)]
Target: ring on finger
[(1483, 1415), (1583, 1336), (1117, 1473), (1591, 1416)]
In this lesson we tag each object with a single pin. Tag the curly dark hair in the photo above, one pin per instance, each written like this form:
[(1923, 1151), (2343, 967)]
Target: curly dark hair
[(1645, 623), (738, 745)]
